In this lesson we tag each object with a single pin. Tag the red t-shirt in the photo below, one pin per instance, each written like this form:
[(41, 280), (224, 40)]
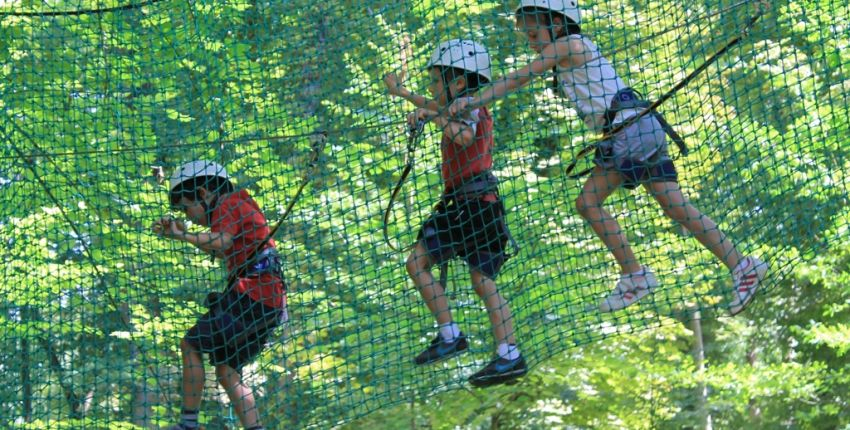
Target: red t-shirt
[(460, 163), (238, 215)]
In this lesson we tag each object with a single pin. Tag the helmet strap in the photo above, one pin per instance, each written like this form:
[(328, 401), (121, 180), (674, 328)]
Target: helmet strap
[(549, 25), (208, 209), (446, 85)]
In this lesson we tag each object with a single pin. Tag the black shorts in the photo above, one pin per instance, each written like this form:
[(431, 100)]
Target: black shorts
[(643, 140), (471, 229), (657, 169), (234, 331)]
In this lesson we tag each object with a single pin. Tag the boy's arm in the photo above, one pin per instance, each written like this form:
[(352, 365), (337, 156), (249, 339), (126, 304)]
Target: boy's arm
[(396, 88), (210, 242), (215, 242), (553, 54), (460, 132)]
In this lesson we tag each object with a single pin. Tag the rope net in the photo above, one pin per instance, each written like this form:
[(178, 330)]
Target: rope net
[(103, 101)]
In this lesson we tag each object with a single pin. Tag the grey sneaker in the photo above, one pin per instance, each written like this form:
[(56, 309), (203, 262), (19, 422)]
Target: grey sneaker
[(629, 290), (747, 276)]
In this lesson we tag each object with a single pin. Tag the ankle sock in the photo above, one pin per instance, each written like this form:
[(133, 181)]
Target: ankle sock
[(508, 351), (449, 332)]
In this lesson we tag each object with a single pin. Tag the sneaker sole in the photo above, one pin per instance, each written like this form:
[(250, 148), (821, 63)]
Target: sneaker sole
[(509, 378), (639, 298), (761, 272), (743, 306)]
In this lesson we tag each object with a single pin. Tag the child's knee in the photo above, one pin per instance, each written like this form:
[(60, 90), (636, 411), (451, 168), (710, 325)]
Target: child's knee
[(677, 213), (226, 375), (417, 263), (584, 204), (186, 347), (412, 266), (487, 292), (484, 286), (221, 374)]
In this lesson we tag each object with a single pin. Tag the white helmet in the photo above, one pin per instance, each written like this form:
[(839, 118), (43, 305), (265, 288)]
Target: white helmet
[(462, 54), (194, 169), (568, 8)]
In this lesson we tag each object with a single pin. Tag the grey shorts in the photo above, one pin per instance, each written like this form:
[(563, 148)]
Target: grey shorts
[(639, 153)]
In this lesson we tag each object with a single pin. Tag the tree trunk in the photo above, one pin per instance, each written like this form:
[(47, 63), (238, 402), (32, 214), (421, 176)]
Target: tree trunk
[(142, 397), (699, 360), (753, 408), (76, 403), (26, 379)]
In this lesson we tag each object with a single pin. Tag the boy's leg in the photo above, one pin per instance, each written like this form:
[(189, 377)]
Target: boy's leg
[(677, 207), (193, 384), (509, 363), (451, 340), (241, 396), (635, 281), (747, 272), (599, 186), (497, 308), (193, 376), (419, 268)]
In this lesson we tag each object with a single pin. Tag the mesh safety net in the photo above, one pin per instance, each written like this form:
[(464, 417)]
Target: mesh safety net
[(102, 101)]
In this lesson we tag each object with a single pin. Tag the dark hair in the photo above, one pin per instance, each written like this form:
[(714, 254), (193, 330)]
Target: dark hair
[(473, 80), (189, 188), (571, 26)]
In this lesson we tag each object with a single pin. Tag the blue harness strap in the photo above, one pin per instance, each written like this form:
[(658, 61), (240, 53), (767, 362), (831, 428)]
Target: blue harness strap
[(628, 98)]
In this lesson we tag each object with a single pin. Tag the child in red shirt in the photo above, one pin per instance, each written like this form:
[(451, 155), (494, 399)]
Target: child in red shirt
[(469, 220), (235, 329)]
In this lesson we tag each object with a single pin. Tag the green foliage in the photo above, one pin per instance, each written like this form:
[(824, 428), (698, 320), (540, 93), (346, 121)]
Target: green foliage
[(92, 306)]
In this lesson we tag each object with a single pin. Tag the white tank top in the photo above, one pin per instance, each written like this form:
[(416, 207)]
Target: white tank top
[(592, 87)]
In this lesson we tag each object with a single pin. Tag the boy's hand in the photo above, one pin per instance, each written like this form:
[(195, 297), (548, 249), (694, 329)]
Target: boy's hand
[(423, 115), (458, 106), (169, 227), (393, 83)]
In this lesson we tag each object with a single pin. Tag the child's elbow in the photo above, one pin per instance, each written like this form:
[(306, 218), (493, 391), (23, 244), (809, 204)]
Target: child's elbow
[(225, 241)]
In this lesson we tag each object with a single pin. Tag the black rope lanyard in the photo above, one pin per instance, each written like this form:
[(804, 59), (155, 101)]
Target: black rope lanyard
[(412, 138), (651, 108), (317, 151)]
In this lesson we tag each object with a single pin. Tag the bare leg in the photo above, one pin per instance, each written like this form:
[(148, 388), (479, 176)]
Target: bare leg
[(598, 187), (419, 268), (677, 207), (497, 307), (193, 376), (241, 396)]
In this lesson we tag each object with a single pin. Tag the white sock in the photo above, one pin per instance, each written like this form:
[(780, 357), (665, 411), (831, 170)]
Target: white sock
[(507, 351), (449, 332), (641, 272)]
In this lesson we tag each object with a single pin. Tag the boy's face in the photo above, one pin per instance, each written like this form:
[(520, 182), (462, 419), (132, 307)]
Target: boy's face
[(534, 27), (194, 210), (437, 87)]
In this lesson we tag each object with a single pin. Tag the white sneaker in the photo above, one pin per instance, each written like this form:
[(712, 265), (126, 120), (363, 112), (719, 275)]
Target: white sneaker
[(747, 276), (629, 289)]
